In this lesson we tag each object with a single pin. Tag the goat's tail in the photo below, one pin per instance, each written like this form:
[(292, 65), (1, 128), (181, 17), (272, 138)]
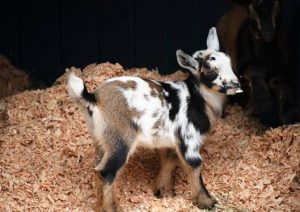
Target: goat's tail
[(77, 90)]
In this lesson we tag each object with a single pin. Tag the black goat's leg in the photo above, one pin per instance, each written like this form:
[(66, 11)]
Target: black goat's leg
[(285, 99), (260, 96), (260, 100)]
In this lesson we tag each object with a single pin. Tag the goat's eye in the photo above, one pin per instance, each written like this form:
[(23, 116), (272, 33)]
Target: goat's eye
[(212, 58)]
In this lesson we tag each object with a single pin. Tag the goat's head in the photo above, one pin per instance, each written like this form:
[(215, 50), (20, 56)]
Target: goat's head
[(264, 18), (211, 67)]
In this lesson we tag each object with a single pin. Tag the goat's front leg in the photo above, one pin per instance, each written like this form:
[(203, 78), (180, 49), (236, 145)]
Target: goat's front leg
[(285, 99), (200, 195), (192, 162), (260, 101), (164, 181), (260, 96)]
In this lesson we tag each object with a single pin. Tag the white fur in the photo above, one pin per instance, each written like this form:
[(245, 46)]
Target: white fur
[(165, 135), (149, 137), (191, 136), (75, 86), (222, 63), (212, 40), (187, 62)]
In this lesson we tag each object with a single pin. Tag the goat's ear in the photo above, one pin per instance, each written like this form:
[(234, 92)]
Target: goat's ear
[(187, 62), (212, 39)]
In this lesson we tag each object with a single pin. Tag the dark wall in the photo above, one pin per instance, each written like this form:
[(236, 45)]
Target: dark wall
[(44, 37), (295, 38)]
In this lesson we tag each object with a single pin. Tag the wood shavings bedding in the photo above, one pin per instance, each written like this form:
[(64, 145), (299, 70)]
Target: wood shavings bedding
[(12, 80), (47, 158)]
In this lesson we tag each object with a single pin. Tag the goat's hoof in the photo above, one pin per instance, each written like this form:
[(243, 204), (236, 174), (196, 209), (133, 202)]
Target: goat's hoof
[(109, 210), (114, 207), (289, 117), (160, 192), (207, 203), (261, 106)]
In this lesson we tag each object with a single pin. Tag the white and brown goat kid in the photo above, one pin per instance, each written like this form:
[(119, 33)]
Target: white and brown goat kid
[(127, 112)]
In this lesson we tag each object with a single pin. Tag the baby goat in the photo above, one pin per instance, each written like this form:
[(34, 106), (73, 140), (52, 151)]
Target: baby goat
[(127, 112)]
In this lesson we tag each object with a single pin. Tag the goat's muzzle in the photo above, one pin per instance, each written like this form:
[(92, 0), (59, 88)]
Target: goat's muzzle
[(233, 88)]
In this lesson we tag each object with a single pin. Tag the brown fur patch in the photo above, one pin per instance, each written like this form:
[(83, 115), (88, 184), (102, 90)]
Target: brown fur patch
[(114, 108), (155, 114), (200, 196), (211, 114), (156, 89), (146, 97), (130, 84), (164, 181), (106, 199), (157, 124), (228, 35)]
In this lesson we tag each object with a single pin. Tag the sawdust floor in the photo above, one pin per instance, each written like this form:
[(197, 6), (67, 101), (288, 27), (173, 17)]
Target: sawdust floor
[(47, 158)]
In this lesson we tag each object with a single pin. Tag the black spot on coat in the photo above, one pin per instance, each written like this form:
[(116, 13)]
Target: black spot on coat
[(172, 98), (193, 162), (208, 78), (196, 112), (116, 161), (90, 97)]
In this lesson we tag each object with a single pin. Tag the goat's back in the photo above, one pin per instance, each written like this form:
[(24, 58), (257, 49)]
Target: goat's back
[(228, 29)]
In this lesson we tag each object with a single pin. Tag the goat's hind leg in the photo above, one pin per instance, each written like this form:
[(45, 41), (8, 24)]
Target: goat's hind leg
[(111, 162), (164, 181)]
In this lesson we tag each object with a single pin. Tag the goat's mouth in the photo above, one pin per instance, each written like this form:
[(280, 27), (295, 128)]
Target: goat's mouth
[(228, 90), (233, 89)]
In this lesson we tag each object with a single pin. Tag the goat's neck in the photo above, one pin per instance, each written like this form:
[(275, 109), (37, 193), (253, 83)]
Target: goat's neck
[(213, 99)]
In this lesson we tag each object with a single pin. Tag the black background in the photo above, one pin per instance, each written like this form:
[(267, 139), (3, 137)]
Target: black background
[(43, 37)]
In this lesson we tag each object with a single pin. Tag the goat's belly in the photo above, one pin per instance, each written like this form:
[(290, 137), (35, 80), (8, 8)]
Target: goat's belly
[(156, 141)]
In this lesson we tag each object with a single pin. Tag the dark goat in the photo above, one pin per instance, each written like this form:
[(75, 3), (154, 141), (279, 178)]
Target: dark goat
[(255, 38)]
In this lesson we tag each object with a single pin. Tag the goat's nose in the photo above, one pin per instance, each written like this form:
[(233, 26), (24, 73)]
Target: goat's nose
[(235, 84), (268, 36)]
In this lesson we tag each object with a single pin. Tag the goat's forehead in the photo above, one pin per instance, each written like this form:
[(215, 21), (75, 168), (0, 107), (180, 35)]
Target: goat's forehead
[(218, 54), (210, 52), (221, 58)]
